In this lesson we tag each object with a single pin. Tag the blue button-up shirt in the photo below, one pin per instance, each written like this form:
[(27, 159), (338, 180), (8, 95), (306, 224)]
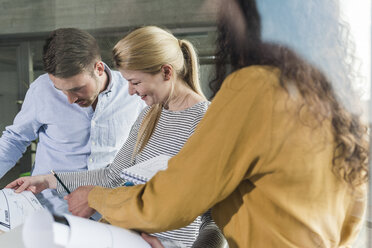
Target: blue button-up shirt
[(71, 138)]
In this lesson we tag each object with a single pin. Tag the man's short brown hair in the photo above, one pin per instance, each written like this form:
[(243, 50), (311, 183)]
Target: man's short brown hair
[(70, 51)]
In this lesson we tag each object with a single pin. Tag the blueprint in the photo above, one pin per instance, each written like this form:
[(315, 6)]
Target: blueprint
[(15, 207)]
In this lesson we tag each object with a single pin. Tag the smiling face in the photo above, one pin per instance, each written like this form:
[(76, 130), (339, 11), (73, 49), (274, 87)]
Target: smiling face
[(152, 88)]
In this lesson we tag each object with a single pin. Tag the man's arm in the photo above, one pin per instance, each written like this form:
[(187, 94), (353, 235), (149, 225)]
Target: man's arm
[(17, 137)]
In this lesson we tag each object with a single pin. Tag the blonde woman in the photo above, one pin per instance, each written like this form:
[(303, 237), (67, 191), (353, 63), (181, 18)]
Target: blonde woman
[(163, 71)]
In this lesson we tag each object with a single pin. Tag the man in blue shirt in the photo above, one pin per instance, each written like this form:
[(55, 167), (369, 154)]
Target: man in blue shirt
[(80, 110)]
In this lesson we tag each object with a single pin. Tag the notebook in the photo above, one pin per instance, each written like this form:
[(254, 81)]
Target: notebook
[(143, 172)]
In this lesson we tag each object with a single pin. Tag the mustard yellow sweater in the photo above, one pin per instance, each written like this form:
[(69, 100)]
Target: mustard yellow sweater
[(263, 167)]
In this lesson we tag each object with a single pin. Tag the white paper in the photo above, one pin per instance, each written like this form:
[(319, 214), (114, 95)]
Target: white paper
[(41, 231), (61, 234), (38, 230), (15, 207), (12, 239), (143, 172), (92, 234)]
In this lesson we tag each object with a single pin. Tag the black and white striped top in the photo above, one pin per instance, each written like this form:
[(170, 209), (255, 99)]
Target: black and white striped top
[(170, 134)]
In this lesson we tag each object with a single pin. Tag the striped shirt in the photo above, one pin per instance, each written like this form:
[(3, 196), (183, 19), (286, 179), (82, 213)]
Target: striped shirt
[(170, 134)]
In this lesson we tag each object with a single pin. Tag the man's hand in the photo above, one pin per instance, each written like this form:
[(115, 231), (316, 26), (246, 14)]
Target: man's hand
[(35, 184), (153, 241), (78, 202)]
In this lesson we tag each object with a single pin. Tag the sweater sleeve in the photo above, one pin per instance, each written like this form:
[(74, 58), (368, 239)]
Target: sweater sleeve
[(110, 175), (210, 166), (354, 218)]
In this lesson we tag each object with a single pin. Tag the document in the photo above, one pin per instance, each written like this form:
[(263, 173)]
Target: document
[(143, 172), (42, 230), (15, 207)]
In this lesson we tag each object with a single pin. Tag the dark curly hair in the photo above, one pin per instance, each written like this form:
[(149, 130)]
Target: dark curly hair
[(239, 44)]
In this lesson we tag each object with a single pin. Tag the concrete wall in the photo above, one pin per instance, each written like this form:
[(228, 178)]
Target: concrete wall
[(33, 16)]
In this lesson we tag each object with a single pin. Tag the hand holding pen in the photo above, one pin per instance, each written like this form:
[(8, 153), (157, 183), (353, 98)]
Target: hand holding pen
[(77, 200)]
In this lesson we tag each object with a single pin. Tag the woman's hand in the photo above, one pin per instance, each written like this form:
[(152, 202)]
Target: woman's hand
[(78, 202), (35, 184), (153, 241)]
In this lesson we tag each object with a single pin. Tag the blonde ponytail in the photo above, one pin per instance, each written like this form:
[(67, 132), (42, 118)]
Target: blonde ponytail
[(191, 66), (147, 128)]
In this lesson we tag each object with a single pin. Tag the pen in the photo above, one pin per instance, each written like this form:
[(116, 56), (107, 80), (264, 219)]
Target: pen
[(64, 186), (60, 181)]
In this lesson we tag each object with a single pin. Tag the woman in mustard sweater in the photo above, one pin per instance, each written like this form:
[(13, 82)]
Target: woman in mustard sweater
[(279, 159)]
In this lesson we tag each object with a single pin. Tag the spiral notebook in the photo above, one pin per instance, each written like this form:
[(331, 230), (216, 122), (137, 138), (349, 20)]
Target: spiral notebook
[(143, 172)]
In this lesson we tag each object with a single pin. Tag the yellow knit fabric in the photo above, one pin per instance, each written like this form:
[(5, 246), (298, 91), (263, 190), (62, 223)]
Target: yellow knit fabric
[(260, 162)]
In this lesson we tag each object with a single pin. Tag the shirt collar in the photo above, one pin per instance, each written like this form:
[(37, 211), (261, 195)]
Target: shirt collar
[(110, 81)]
